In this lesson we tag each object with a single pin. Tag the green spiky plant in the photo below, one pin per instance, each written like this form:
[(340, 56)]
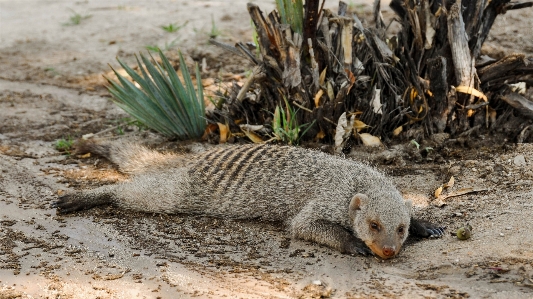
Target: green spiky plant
[(163, 102), (291, 12), (285, 127)]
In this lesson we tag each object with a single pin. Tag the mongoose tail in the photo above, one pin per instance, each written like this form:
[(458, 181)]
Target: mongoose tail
[(340, 203), (129, 157)]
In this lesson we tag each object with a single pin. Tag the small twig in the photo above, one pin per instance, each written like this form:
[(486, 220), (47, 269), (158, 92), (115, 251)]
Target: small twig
[(310, 111), (91, 135), (244, 89), (469, 132), (301, 107)]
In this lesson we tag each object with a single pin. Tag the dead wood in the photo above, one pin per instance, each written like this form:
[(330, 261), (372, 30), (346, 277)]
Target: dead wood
[(428, 77), (520, 103)]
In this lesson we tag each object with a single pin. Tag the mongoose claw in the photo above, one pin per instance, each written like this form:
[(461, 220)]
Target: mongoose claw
[(365, 251), (436, 232), (424, 229)]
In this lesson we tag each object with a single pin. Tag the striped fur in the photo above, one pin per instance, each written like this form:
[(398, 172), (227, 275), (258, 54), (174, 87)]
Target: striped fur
[(321, 198)]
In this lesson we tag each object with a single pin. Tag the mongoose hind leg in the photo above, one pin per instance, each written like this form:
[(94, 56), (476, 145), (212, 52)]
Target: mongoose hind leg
[(330, 234), (425, 229), (83, 200)]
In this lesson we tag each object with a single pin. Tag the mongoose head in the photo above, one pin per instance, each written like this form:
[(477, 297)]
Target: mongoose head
[(382, 222)]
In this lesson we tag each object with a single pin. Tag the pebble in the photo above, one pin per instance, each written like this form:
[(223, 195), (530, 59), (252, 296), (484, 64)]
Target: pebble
[(502, 234), (317, 282), (454, 170), (509, 228), (520, 160)]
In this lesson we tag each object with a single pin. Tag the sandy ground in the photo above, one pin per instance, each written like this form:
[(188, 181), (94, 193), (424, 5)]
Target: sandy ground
[(51, 87)]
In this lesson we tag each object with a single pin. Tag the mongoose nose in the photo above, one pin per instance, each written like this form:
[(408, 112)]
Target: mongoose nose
[(388, 251)]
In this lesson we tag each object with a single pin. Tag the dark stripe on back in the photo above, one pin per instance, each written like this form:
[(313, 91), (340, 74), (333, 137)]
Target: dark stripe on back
[(245, 167), (220, 163), (268, 159), (202, 162), (237, 162)]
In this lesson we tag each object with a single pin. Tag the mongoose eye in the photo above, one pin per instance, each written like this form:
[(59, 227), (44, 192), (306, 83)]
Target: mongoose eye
[(374, 226), (401, 229)]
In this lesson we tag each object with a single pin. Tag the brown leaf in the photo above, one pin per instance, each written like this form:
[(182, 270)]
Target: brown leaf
[(466, 191), (208, 130), (331, 93), (438, 192), (397, 131), (224, 132), (322, 78), (87, 155), (359, 125), (320, 135), (471, 91), (317, 97), (251, 135), (351, 78), (450, 183), (369, 140)]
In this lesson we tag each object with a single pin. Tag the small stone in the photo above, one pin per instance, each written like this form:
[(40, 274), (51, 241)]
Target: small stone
[(458, 214), (520, 160), (317, 282), (509, 228), (502, 234), (454, 170)]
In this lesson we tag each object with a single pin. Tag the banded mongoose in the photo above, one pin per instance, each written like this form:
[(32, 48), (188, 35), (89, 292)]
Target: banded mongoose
[(343, 204)]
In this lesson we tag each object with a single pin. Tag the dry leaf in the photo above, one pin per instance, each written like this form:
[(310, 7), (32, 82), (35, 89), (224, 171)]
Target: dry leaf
[(331, 94), (322, 77), (320, 135), (343, 131), (472, 91), (376, 101), (251, 135), (342, 123), (224, 132), (466, 191), (87, 155), (359, 125), (397, 131), (450, 183), (252, 128), (351, 78), (208, 130), (369, 140), (438, 192), (317, 97)]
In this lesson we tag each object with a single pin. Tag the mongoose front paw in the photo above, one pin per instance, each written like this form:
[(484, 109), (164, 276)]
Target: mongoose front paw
[(365, 251), (425, 229), (357, 247), (67, 204)]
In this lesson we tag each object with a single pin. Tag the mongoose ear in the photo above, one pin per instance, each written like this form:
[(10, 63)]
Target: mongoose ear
[(356, 203), (409, 205)]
